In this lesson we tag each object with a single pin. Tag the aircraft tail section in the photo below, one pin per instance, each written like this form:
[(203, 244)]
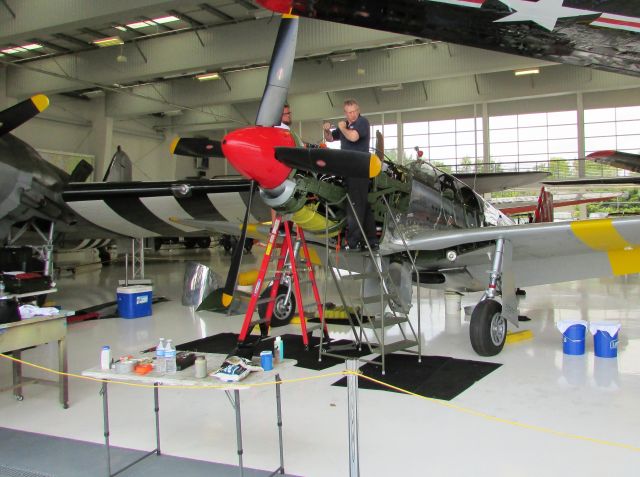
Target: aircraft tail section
[(20, 113), (120, 168), (544, 210)]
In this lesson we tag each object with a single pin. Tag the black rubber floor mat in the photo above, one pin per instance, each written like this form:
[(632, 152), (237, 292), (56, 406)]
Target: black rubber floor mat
[(438, 377), (293, 348), (110, 309)]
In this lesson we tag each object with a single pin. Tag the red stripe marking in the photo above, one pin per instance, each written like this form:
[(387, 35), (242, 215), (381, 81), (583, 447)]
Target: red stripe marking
[(614, 21)]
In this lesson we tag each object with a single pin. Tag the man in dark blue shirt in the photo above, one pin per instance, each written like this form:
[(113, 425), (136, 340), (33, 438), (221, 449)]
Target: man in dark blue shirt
[(353, 133)]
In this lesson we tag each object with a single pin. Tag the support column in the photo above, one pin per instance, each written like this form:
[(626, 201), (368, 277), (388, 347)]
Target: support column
[(582, 167), (101, 142), (486, 149)]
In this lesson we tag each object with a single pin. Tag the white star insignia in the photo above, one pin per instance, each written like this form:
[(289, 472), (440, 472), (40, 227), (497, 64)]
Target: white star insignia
[(543, 12)]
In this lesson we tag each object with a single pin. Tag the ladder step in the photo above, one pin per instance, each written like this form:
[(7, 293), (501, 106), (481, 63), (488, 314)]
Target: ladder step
[(361, 276), (374, 298), (397, 346), (391, 321)]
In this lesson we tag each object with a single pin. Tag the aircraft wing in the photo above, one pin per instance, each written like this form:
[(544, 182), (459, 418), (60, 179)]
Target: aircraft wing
[(153, 209), (621, 160), (529, 204), (542, 253), (601, 34), (595, 181), (258, 231), (483, 182)]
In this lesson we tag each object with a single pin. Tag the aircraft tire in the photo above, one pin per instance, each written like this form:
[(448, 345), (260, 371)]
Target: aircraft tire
[(190, 243), (203, 242), (282, 314), (487, 329)]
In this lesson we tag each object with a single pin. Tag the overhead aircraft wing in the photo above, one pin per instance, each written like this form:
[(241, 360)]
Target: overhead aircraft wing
[(542, 253), (153, 209), (483, 182), (601, 34)]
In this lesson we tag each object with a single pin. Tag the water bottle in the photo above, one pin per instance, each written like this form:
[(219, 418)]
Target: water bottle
[(2, 289), (170, 357), (105, 357), (278, 350), (161, 364)]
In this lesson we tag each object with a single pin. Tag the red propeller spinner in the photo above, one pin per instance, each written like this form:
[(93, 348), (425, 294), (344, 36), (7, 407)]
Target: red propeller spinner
[(251, 152)]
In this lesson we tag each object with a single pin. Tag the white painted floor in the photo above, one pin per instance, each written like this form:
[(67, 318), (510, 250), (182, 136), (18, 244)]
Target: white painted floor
[(542, 413)]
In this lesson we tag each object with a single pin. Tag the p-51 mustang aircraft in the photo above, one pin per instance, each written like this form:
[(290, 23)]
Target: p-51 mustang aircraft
[(453, 234)]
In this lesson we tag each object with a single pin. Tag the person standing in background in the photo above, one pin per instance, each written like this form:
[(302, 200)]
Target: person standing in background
[(285, 121), (353, 133)]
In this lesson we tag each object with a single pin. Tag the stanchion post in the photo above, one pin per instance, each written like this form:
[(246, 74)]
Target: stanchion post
[(352, 404)]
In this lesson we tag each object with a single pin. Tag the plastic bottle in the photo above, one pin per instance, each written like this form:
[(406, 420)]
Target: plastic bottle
[(278, 350), (2, 288), (170, 357), (161, 364), (105, 357)]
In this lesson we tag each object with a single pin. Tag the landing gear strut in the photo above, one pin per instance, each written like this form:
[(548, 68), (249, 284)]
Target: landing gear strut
[(488, 326)]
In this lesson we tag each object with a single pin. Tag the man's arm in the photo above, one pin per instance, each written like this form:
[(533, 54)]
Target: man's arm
[(351, 134), (328, 135)]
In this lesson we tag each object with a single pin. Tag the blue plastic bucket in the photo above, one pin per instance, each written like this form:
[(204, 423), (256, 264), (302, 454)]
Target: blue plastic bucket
[(573, 339), (605, 345)]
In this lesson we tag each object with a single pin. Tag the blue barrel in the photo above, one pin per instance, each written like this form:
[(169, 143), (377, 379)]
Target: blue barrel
[(605, 345), (573, 339)]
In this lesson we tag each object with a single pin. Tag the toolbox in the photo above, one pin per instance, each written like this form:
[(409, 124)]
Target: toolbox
[(30, 282)]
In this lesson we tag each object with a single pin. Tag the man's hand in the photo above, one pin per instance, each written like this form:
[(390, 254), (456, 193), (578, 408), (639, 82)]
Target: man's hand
[(342, 125), (326, 126)]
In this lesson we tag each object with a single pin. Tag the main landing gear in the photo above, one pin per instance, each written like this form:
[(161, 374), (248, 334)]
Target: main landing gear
[(488, 326)]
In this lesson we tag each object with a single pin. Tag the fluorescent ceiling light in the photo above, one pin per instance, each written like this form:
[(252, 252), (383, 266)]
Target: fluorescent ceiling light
[(207, 76), (168, 19), (343, 57), (528, 71), (109, 41), (391, 87), (32, 46)]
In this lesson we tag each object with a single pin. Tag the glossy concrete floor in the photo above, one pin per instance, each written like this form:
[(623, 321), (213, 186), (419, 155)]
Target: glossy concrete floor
[(541, 413)]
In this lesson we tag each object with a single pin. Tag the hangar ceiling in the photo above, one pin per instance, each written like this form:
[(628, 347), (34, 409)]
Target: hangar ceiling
[(50, 47)]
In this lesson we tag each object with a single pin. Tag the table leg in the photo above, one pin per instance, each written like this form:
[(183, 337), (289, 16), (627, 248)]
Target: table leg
[(235, 402), (17, 375), (279, 411), (157, 411), (105, 415), (63, 382)]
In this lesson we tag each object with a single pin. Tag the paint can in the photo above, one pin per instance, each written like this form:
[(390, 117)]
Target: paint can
[(201, 367)]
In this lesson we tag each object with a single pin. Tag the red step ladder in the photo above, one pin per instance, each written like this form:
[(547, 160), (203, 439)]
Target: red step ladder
[(287, 264)]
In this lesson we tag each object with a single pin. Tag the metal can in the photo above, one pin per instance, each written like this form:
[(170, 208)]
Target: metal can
[(201, 367)]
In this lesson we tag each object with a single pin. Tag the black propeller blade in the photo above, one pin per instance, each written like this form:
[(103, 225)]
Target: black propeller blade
[(331, 161), (234, 268), (20, 113), (196, 147)]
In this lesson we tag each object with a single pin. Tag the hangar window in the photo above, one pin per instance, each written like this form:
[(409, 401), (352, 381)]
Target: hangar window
[(612, 128), (455, 144), (537, 141)]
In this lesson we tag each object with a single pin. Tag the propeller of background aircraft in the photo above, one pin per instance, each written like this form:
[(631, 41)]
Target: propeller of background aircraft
[(267, 155), (20, 113)]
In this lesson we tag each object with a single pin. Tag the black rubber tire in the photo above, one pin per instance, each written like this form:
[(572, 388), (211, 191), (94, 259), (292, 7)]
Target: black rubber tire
[(248, 245), (203, 242), (281, 315), (487, 329), (190, 243), (157, 243)]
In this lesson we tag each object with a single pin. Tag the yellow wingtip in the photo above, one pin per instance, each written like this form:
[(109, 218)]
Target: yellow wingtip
[(40, 101), (375, 166), (226, 299), (174, 144)]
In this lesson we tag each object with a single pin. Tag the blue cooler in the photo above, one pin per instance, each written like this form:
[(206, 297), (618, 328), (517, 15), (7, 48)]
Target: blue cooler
[(573, 336), (605, 339), (134, 301)]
